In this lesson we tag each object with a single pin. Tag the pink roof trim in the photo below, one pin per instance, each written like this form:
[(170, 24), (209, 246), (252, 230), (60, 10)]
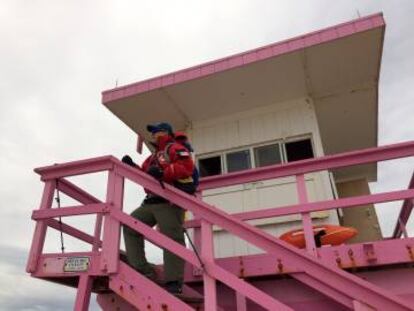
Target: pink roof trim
[(239, 60)]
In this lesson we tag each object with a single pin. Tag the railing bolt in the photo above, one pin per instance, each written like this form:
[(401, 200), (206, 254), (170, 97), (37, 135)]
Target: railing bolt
[(241, 267), (410, 252), (351, 257), (338, 262), (279, 265)]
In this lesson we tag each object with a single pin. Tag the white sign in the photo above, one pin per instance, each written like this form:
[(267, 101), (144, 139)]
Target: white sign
[(75, 264)]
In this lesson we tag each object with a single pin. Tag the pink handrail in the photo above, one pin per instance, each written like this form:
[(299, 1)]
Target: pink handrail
[(315, 274), (405, 213), (371, 155)]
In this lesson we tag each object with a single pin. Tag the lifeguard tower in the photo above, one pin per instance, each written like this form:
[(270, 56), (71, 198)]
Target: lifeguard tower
[(285, 137)]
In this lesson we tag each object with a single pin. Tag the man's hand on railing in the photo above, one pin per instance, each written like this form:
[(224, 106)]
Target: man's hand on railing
[(127, 160), (156, 172)]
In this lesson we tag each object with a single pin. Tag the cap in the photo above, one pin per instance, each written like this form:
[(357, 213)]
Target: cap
[(161, 126)]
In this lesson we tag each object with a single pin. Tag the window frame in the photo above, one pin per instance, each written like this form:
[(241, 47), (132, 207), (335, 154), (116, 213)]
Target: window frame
[(210, 155), (238, 150), (295, 139), (280, 142)]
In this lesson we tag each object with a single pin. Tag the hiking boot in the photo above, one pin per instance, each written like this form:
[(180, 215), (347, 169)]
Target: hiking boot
[(149, 272), (174, 287)]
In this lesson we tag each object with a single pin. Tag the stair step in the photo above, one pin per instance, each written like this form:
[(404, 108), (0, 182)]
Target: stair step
[(143, 293)]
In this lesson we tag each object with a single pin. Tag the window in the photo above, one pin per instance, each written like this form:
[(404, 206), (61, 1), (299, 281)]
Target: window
[(256, 156), (239, 160), (210, 166), (299, 150), (267, 155)]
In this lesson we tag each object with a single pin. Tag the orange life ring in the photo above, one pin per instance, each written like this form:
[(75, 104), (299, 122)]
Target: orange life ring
[(328, 235)]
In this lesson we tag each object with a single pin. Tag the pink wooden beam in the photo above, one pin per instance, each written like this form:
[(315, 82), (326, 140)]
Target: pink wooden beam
[(355, 287), (83, 293), (111, 301), (319, 206), (97, 243), (112, 227), (215, 271), (83, 197), (241, 302), (52, 265), (76, 233), (75, 168), (387, 252), (143, 293), (241, 286), (370, 155), (306, 218), (69, 211), (156, 237), (328, 291), (41, 227), (405, 213), (207, 255), (76, 193)]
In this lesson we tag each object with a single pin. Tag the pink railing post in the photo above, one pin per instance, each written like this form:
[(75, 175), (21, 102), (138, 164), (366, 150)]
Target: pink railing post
[(403, 229), (306, 217), (83, 295), (112, 227), (97, 233), (241, 302), (207, 255), (41, 227)]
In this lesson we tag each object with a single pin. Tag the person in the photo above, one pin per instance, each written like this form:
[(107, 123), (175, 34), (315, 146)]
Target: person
[(170, 163)]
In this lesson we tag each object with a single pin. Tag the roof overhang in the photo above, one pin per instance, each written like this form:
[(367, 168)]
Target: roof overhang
[(337, 67)]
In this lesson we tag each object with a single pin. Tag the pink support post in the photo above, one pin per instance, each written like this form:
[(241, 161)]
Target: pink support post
[(83, 295), (197, 235), (97, 233), (403, 229), (76, 193), (241, 302), (41, 227), (306, 217), (69, 230), (197, 231), (69, 211), (207, 255), (112, 227)]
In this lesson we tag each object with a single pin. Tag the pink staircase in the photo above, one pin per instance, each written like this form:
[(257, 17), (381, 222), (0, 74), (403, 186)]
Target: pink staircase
[(367, 276)]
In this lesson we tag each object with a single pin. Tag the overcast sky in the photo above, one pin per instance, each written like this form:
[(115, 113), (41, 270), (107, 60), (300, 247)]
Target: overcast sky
[(57, 56)]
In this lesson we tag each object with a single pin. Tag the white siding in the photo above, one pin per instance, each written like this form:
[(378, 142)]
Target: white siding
[(266, 124)]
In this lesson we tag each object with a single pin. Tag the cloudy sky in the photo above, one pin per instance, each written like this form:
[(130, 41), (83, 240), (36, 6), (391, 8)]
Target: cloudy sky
[(57, 56)]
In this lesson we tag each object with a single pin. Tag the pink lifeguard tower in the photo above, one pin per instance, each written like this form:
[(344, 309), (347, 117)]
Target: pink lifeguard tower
[(285, 137)]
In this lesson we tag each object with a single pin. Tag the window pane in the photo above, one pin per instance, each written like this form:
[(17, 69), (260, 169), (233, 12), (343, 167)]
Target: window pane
[(237, 161), (267, 155), (299, 150), (210, 166)]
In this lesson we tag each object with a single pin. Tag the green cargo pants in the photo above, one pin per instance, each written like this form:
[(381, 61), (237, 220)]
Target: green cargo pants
[(170, 220)]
